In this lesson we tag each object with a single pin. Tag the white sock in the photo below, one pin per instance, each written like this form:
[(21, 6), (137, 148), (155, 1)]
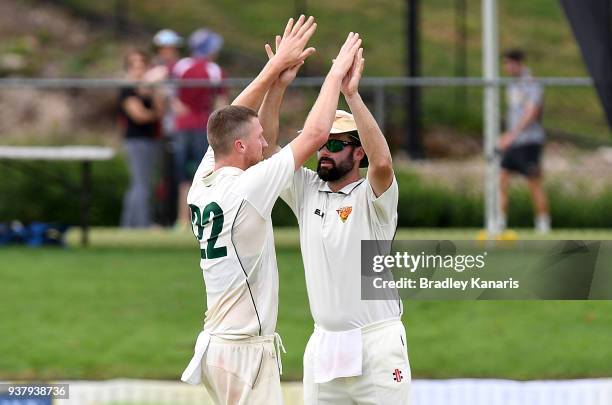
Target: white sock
[(503, 222), (542, 223)]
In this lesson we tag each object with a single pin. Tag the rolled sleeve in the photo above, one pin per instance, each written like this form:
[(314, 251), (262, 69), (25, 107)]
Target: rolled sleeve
[(384, 207)]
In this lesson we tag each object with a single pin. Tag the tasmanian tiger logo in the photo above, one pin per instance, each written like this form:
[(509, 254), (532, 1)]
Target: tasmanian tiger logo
[(344, 213)]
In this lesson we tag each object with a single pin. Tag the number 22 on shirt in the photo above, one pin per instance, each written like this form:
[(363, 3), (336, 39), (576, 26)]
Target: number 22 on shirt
[(199, 220)]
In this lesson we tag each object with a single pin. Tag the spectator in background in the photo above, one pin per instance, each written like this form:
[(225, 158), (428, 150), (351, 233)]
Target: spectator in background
[(193, 107), (167, 44), (140, 111), (523, 140)]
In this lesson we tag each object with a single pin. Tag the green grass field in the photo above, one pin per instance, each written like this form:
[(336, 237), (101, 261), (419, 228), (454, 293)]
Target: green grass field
[(131, 306)]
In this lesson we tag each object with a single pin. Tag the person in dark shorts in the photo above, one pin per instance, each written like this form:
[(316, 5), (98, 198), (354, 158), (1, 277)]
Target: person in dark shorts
[(522, 143)]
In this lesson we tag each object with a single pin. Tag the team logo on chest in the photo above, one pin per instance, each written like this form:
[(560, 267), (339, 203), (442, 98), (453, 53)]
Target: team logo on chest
[(344, 213)]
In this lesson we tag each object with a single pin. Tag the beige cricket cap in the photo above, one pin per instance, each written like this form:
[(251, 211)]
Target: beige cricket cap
[(343, 122)]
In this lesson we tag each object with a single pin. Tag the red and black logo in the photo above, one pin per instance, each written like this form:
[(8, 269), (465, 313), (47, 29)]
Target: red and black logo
[(397, 375)]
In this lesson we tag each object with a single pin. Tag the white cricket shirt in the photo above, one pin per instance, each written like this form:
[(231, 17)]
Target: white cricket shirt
[(332, 226), (231, 217)]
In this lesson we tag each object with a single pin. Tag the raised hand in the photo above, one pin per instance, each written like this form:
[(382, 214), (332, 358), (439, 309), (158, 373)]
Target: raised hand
[(346, 56), (290, 49), (288, 75), (290, 52), (350, 83)]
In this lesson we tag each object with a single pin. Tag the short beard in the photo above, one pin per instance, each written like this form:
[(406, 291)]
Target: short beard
[(334, 172)]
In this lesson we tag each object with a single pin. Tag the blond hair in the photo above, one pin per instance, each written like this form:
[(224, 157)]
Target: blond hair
[(227, 124)]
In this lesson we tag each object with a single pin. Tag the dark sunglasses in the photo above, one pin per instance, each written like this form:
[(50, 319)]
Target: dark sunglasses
[(336, 145)]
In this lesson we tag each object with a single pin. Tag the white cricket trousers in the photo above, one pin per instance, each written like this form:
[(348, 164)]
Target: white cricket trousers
[(385, 379), (244, 371)]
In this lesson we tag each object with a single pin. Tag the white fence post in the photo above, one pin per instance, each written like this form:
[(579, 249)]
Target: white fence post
[(490, 67)]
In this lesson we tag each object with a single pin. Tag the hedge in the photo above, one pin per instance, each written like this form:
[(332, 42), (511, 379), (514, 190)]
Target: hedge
[(49, 192)]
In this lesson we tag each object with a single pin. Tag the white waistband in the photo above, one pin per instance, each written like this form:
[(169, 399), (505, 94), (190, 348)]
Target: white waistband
[(231, 340), (192, 373), (367, 328), (275, 339)]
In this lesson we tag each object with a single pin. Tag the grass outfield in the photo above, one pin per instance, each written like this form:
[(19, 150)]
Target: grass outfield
[(131, 306)]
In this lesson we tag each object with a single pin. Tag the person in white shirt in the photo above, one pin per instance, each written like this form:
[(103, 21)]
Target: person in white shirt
[(522, 144), (231, 200), (357, 353)]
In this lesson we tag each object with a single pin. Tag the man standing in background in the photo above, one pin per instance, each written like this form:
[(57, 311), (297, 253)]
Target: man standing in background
[(192, 109), (167, 45), (167, 53), (523, 140)]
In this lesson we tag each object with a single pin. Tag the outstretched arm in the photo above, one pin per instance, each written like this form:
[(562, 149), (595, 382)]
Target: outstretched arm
[(268, 117), (270, 109), (320, 119), (380, 169), (290, 52)]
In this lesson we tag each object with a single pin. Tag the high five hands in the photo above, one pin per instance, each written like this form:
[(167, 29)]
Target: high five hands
[(348, 64), (287, 75), (350, 82), (346, 57), (290, 50)]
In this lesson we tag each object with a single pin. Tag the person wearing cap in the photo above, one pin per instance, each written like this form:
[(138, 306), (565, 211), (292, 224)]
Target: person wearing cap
[(167, 45), (357, 352), (192, 109)]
